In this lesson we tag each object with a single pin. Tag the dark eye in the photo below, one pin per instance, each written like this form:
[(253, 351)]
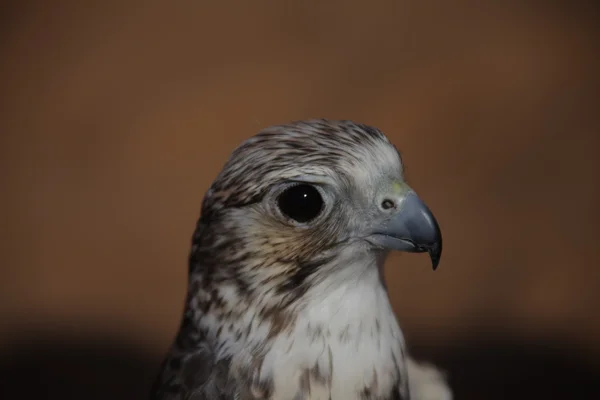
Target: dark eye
[(300, 202)]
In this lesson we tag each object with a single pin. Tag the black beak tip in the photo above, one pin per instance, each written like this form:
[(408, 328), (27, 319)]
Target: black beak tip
[(434, 263), (435, 253)]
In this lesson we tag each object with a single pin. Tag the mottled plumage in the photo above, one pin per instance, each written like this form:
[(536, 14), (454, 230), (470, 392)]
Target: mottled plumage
[(281, 309)]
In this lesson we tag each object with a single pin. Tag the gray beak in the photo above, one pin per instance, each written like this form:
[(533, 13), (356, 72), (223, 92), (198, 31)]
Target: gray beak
[(413, 228)]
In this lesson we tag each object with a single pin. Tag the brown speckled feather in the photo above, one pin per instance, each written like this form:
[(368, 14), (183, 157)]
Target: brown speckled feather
[(254, 275)]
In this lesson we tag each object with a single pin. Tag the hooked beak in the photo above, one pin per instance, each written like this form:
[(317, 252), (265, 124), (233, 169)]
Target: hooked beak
[(412, 228)]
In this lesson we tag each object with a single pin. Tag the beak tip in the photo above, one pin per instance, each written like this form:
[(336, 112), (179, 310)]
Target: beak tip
[(435, 255)]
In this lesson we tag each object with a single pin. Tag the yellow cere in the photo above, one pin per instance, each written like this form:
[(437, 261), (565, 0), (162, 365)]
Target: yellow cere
[(399, 188)]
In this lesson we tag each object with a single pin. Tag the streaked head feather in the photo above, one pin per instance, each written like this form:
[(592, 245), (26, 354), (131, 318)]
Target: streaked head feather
[(268, 293)]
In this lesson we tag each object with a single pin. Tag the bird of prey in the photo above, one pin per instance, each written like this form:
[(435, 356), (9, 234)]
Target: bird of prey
[(286, 298)]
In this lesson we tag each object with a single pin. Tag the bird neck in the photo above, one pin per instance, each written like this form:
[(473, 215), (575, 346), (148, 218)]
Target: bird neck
[(341, 339)]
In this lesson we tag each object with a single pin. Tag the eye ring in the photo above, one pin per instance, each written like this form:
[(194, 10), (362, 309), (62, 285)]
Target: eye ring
[(300, 202)]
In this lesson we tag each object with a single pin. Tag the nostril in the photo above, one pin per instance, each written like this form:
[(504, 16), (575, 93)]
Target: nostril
[(388, 204)]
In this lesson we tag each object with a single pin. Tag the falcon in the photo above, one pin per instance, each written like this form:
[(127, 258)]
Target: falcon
[(286, 297)]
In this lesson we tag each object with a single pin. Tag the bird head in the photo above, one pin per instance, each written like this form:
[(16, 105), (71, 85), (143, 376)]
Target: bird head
[(286, 261), (304, 202)]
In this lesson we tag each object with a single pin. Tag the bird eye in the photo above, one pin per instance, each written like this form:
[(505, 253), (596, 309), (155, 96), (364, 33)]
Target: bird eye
[(301, 202)]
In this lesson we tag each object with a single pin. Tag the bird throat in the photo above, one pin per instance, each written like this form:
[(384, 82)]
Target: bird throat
[(344, 342)]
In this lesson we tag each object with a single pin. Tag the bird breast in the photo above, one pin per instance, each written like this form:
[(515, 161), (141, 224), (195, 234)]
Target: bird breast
[(345, 343)]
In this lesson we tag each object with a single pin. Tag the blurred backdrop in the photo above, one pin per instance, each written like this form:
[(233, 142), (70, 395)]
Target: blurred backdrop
[(115, 117)]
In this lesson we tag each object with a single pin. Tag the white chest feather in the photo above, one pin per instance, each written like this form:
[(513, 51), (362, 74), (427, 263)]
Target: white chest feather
[(344, 343)]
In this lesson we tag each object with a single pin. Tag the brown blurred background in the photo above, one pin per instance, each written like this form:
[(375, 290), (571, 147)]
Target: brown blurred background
[(115, 116)]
